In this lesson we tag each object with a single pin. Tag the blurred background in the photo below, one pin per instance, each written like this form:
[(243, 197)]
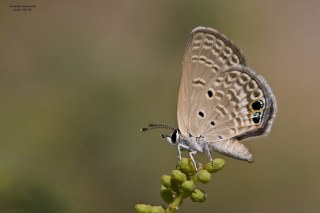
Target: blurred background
[(78, 79)]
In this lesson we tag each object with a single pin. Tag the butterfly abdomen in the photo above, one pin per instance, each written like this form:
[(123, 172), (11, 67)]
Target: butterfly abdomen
[(233, 148)]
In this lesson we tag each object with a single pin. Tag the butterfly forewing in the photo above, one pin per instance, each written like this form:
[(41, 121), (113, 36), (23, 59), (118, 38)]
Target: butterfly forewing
[(208, 54)]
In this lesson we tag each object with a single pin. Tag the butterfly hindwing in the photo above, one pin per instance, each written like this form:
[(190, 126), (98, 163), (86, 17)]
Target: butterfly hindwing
[(234, 104)]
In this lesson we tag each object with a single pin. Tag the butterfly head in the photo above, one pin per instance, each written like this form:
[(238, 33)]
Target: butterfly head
[(173, 138)]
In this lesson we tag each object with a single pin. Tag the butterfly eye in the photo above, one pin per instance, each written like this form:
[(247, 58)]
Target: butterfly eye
[(174, 137)]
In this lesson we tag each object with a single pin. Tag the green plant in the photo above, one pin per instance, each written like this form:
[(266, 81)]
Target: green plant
[(181, 184)]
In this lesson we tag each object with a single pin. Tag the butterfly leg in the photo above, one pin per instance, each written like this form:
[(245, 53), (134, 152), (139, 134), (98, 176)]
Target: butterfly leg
[(181, 146), (209, 153), (193, 160), (179, 153), (191, 153)]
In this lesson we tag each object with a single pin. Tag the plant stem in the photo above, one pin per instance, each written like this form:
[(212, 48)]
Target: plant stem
[(174, 206)]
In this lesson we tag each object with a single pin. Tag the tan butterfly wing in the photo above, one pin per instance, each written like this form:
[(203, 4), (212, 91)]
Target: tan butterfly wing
[(238, 104), (208, 53), (220, 98)]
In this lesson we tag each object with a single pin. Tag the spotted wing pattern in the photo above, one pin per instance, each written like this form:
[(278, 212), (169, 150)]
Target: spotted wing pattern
[(208, 54), (221, 99)]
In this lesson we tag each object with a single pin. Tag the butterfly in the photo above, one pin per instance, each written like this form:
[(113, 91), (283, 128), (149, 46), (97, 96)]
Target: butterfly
[(221, 100)]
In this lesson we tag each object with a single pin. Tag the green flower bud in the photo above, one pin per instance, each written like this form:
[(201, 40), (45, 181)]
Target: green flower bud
[(215, 166), (157, 209), (178, 177), (186, 166), (198, 196), (175, 187), (204, 176), (166, 194), (143, 208), (166, 180), (188, 186)]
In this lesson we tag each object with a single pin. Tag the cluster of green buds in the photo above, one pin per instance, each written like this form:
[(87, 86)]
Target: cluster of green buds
[(181, 184)]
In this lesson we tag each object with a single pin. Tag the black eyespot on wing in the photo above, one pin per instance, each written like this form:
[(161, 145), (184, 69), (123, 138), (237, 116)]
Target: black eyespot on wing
[(257, 105), (210, 94), (212, 123), (256, 117), (201, 114)]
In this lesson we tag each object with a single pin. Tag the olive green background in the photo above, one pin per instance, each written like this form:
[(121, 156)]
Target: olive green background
[(79, 78)]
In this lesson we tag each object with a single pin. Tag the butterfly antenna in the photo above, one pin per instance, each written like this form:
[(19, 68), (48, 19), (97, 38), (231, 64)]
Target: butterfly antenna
[(157, 126)]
